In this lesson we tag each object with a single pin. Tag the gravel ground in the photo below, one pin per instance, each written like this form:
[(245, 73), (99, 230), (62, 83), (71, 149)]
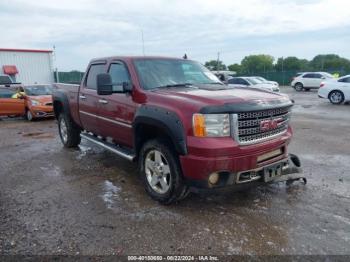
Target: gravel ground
[(89, 201)]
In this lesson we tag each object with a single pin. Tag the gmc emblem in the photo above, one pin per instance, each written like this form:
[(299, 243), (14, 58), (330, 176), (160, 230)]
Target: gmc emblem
[(270, 124)]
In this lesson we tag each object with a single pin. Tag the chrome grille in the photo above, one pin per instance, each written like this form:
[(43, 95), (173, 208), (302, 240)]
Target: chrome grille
[(247, 126)]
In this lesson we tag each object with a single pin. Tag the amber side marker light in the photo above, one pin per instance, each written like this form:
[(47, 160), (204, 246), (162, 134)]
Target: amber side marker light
[(199, 125)]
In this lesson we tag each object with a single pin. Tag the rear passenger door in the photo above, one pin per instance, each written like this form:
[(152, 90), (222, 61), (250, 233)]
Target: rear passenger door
[(344, 86), (318, 78), (308, 80), (10, 106), (88, 98)]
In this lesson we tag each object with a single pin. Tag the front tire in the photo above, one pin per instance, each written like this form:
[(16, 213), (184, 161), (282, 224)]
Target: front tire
[(298, 87), (29, 115), (161, 172), (69, 133), (336, 97)]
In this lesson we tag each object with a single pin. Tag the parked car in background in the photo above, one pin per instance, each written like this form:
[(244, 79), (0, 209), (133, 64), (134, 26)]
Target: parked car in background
[(12, 102), (264, 80), (224, 75), (38, 101), (6, 81), (309, 80), (336, 90), (253, 82)]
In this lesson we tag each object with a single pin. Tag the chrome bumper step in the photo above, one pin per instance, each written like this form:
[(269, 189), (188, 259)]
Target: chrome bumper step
[(120, 151)]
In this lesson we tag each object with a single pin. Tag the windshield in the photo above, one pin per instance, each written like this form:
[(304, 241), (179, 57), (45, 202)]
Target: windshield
[(254, 81), (327, 75), (38, 90), (261, 79), (154, 73)]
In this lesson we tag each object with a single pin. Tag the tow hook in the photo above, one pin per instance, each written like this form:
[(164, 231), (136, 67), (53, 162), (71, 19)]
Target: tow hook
[(293, 172)]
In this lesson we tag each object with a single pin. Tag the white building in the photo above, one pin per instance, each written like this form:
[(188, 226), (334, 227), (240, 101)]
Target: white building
[(27, 66)]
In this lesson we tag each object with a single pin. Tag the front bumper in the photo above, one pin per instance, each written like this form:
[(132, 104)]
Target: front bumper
[(42, 111), (235, 164), (291, 171)]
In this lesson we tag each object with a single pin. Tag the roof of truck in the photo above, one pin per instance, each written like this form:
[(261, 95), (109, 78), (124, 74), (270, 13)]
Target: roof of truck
[(135, 58)]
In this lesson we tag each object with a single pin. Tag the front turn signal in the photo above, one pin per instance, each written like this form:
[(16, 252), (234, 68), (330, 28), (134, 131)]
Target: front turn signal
[(199, 125)]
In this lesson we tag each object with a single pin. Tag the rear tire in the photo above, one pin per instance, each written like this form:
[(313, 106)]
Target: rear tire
[(298, 87), (336, 97), (69, 132), (161, 172)]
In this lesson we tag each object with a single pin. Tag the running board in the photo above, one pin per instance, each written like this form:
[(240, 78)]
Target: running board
[(111, 147)]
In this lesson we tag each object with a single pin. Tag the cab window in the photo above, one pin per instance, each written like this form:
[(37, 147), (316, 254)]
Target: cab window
[(93, 72)]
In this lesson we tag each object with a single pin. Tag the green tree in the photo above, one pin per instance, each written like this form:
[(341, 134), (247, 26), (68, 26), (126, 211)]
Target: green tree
[(291, 63), (330, 62), (215, 65), (236, 68), (257, 63)]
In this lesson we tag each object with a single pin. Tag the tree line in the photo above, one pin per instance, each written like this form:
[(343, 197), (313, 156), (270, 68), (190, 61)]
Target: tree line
[(266, 63)]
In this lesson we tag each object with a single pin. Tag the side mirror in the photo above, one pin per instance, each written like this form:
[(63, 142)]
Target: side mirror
[(104, 84)]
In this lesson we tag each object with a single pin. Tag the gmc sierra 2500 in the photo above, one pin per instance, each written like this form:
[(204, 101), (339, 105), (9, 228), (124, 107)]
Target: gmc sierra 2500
[(185, 128)]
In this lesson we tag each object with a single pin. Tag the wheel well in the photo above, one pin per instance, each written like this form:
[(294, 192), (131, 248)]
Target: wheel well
[(144, 132), (58, 108), (300, 83)]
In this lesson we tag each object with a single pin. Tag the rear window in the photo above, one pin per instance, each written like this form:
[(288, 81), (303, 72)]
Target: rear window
[(5, 80), (344, 79)]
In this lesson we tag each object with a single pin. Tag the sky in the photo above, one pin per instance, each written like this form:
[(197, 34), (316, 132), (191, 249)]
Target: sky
[(84, 29)]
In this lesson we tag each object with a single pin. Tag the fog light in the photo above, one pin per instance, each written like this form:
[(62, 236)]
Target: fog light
[(213, 178)]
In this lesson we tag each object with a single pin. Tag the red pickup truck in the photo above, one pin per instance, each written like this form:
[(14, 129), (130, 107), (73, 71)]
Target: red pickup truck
[(184, 127)]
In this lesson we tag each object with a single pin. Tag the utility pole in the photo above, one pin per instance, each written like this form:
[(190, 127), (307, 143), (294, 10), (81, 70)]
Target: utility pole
[(217, 62), (282, 71), (54, 61)]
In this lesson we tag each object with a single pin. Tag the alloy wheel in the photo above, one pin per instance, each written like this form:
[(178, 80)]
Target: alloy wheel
[(63, 130), (157, 171)]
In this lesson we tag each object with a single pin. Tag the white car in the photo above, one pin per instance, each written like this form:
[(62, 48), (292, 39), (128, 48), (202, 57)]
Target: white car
[(309, 80), (264, 80), (336, 90), (252, 82)]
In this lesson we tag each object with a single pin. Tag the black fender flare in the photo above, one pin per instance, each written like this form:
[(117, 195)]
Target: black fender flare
[(163, 119), (61, 97)]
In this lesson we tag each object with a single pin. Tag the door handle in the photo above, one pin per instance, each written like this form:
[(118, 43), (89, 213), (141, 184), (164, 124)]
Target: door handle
[(102, 101), (82, 97)]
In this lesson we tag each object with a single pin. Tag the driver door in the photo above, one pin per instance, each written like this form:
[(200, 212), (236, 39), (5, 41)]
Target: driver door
[(116, 111), (11, 106)]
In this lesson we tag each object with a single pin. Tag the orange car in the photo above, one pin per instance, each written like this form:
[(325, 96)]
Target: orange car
[(38, 100), (12, 102)]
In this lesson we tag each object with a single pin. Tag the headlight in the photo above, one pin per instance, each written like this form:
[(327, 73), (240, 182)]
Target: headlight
[(211, 125), (35, 103)]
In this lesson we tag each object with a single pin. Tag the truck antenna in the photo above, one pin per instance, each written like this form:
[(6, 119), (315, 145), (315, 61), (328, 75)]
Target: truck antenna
[(143, 43)]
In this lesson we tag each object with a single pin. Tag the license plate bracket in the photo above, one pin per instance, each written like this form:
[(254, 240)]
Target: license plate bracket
[(272, 171)]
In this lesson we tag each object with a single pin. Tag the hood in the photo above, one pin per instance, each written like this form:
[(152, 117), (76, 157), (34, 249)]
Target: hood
[(210, 95), (42, 99)]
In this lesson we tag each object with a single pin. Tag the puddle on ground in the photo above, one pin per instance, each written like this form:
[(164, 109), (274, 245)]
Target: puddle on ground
[(83, 150), (111, 193), (51, 171)]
